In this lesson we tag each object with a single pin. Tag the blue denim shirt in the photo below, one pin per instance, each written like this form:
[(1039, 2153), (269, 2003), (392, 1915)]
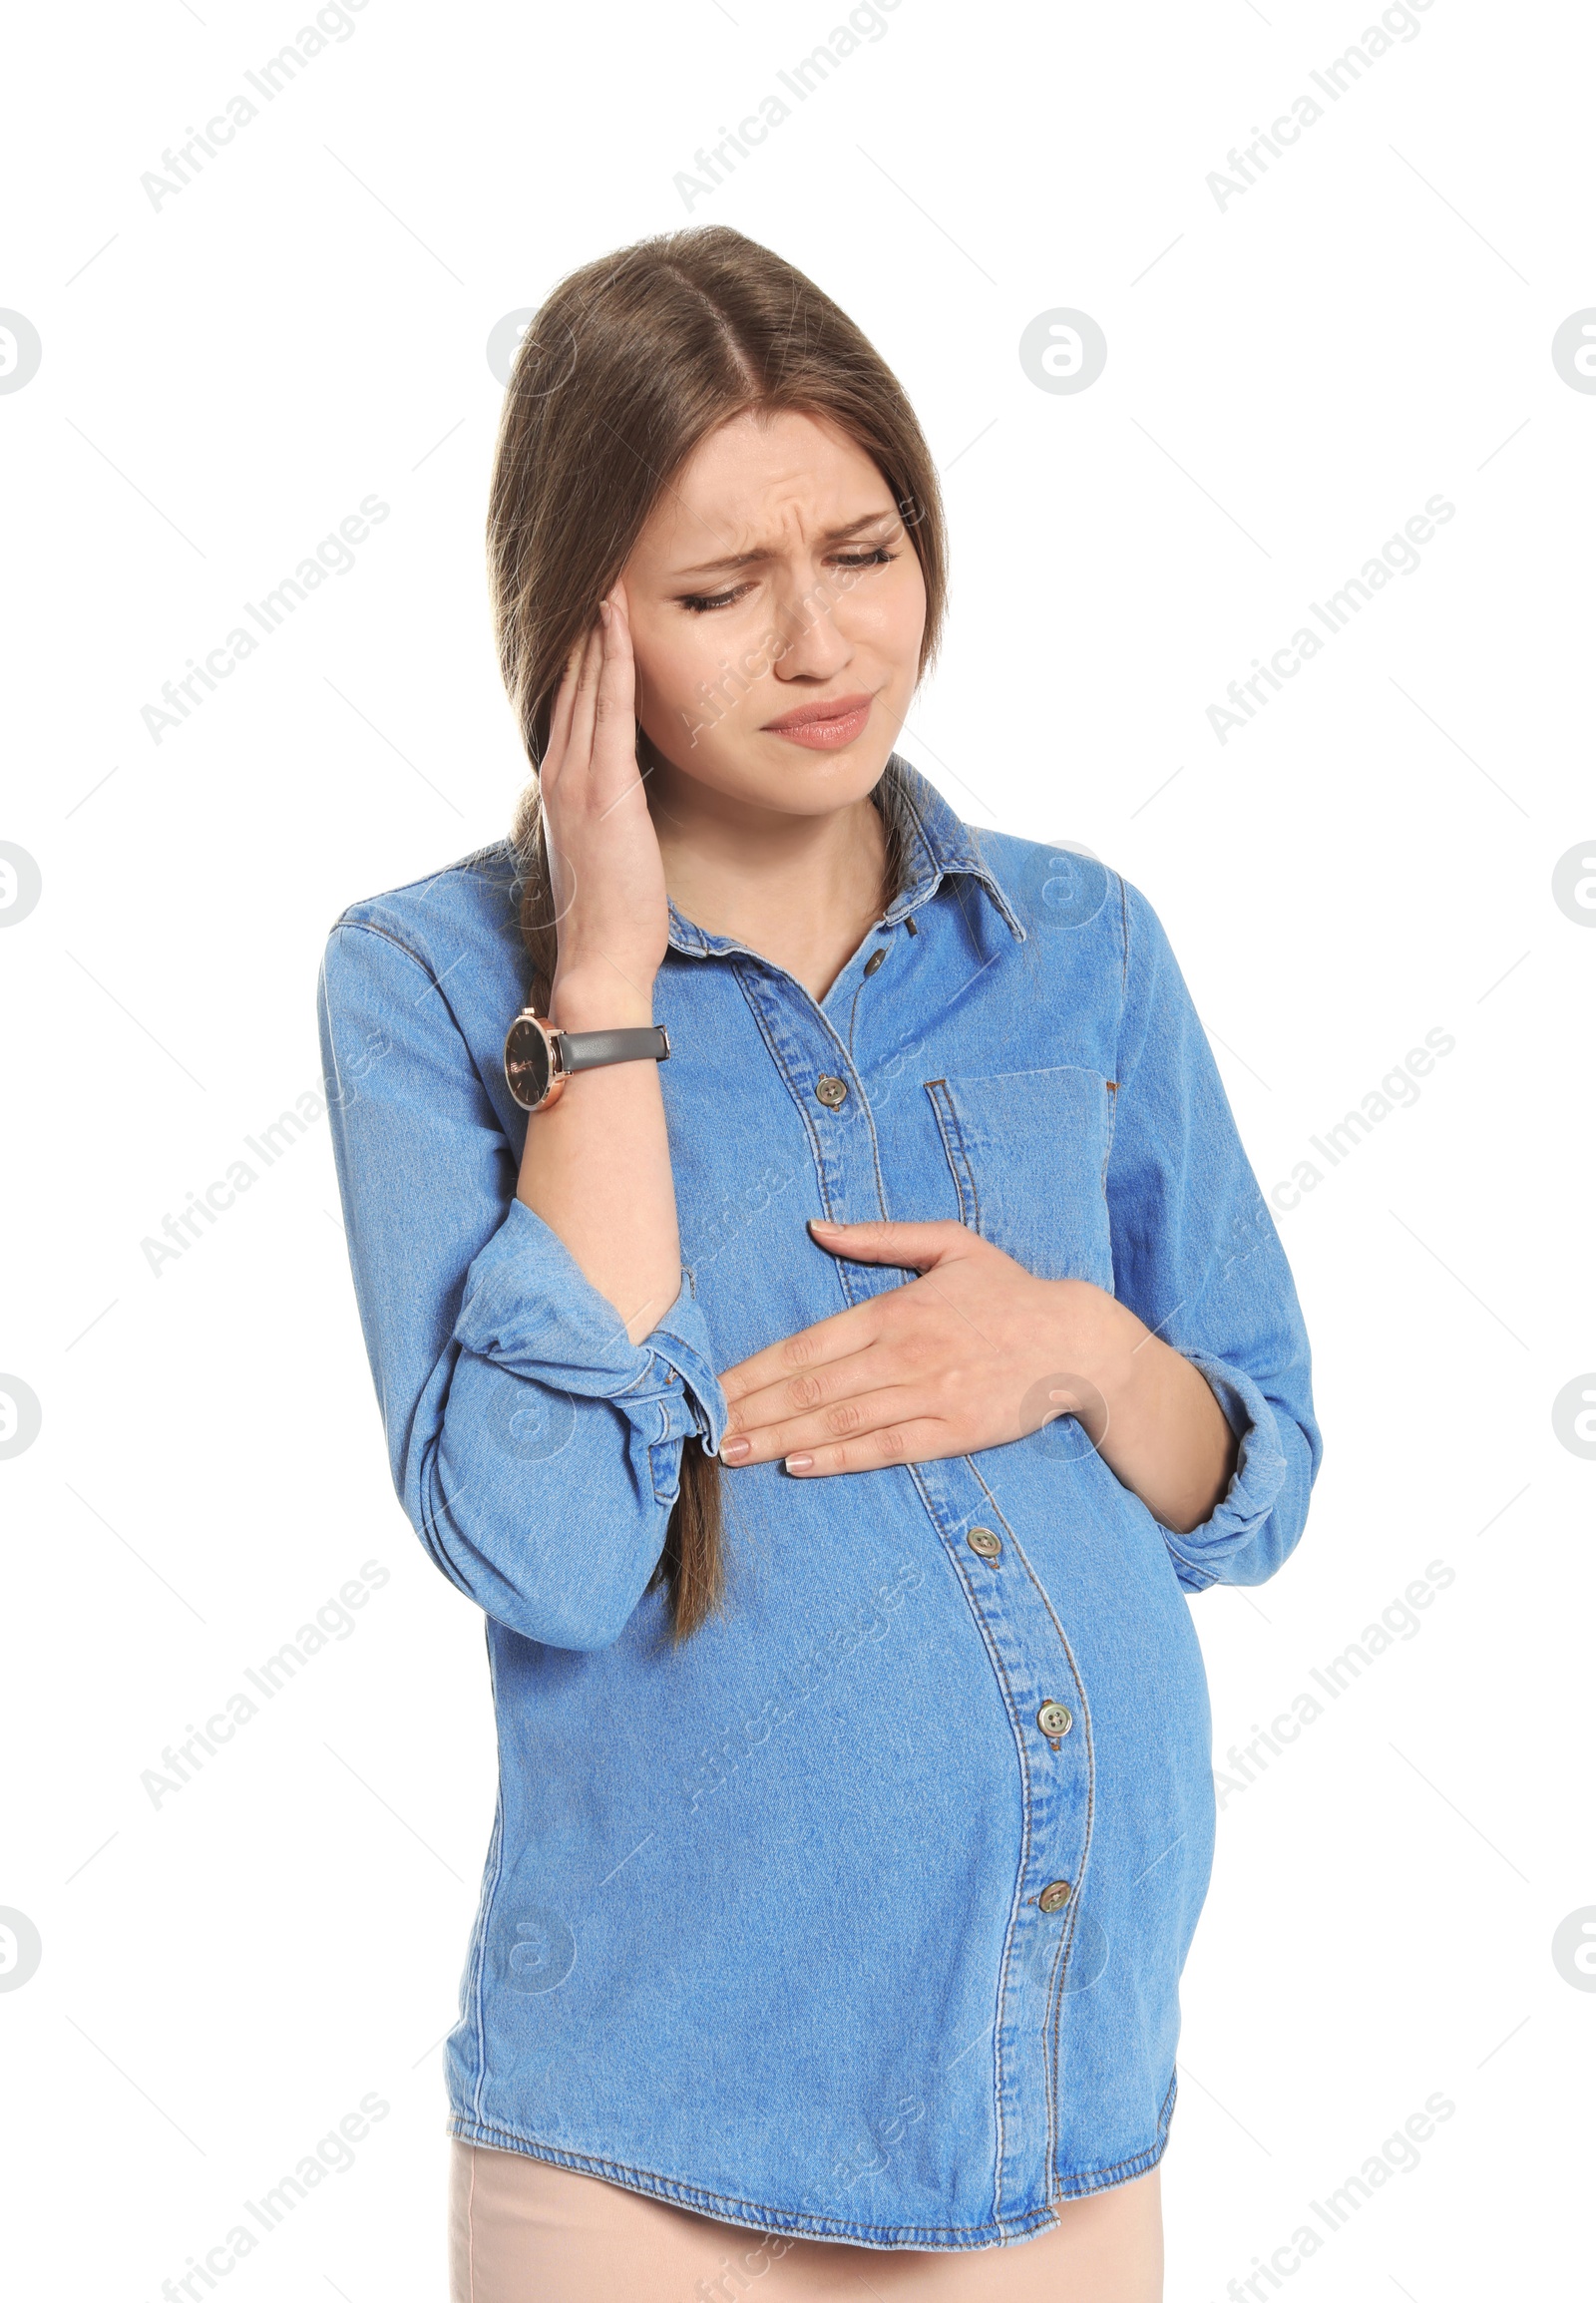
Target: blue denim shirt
[(763, 1927)]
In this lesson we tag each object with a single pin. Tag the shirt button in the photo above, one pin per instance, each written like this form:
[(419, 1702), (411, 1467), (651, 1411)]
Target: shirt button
[(830, 1090), (982, 1541), (875, 961), (1054, 1895), (1054, 1719)]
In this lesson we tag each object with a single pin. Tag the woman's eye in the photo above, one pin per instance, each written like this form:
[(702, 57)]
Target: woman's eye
[(700, 602)]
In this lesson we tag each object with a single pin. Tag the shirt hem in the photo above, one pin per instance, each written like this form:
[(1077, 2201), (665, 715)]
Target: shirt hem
[(753, 2215), (1094, 2179)]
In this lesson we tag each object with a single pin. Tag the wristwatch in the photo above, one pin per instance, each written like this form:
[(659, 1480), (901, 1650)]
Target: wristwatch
[(538, 1059)]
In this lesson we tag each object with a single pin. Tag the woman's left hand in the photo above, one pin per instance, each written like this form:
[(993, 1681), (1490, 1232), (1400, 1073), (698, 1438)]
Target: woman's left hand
[(941, 1367), (975, 1352)]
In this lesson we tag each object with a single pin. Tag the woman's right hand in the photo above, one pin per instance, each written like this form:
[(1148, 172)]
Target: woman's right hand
[(597, 1166), (604, 865)]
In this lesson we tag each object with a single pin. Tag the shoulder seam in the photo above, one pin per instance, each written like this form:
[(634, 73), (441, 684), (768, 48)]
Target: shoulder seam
[(474, 865), (370, 928), (434, 983)]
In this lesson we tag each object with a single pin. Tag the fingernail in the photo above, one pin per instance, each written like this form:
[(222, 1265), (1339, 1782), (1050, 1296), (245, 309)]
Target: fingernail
[(735, 1450), (818, 1224), (604, 612), (800, 1462)]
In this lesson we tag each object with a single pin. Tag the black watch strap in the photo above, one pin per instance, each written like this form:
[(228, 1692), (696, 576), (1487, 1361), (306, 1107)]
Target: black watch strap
[(588, 1051)]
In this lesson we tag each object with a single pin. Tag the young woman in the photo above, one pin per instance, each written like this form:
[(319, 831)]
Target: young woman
[(824, 1319)]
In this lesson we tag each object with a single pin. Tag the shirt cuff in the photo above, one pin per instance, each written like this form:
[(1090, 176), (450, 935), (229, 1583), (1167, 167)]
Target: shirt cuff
[(1203, 1552), (528, 1308)]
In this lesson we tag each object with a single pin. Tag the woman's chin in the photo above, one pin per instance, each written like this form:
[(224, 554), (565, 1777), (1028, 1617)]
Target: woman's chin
[(769, 774)]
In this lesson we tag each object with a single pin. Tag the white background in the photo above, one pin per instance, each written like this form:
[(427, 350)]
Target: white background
[(1288, 378)]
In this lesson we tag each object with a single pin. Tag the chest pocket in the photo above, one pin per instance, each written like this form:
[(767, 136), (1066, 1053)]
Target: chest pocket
[(1029, 1151)]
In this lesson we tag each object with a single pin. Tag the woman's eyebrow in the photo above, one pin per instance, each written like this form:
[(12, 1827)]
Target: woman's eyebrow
[(763, 552)]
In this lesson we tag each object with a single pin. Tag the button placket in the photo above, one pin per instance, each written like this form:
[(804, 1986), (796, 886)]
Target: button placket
[(840, 1131), (1032, 1663), (1030, 1659)]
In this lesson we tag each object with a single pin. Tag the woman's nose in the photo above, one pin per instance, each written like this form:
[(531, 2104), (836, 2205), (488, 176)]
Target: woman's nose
[(809, 644)]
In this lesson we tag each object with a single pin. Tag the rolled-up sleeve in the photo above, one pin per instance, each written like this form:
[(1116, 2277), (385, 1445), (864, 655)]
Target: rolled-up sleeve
[(535, 1448), (1198, 1258)]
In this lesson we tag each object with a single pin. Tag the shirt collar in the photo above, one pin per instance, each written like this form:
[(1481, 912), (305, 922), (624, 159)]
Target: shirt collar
[(937, 844)]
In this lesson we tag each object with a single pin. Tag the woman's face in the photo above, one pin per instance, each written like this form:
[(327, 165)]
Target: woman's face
[(776, 607)]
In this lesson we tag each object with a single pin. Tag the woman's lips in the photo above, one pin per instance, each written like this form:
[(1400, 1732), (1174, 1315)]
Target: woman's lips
[(823, 727)]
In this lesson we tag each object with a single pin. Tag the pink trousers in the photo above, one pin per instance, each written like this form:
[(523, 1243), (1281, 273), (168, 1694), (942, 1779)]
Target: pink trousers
[(524, 2232)]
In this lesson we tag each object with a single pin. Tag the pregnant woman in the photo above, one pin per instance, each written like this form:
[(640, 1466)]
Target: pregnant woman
[(824, 1317)]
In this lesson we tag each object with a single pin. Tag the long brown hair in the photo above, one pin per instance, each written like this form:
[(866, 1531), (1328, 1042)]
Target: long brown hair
[(630, 363)]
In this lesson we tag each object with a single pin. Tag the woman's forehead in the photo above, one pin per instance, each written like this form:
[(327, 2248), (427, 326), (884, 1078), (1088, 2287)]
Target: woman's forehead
[(753, 487)]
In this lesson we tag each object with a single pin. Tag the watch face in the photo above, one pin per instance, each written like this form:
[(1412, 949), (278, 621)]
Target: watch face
[(527, 1062)]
